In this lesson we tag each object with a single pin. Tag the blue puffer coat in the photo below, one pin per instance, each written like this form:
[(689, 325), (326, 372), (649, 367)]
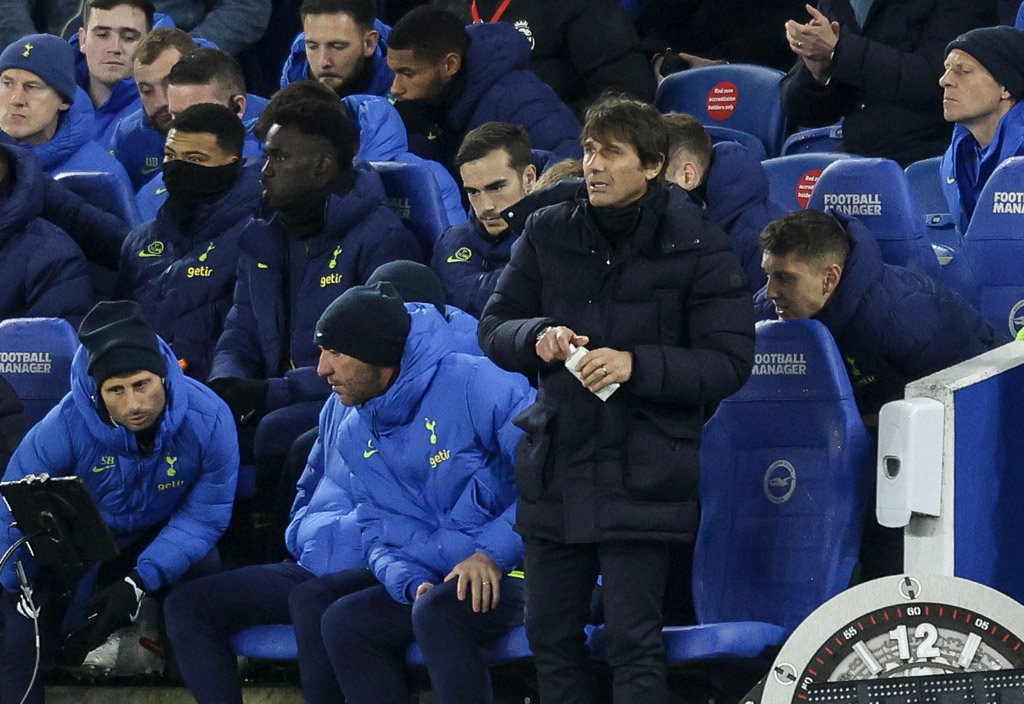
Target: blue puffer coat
[(499, 87), (43, 271), (737, 200), (261, 339), (382, 137), (71, 148), (122, 102), (469, 264), (140, 148), (893, 325), (323, 535), (184, 280), (431, 462), (296, 66), (187, 482), (966, 169)]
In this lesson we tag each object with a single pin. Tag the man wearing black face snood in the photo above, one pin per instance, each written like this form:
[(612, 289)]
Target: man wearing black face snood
[(180, 267)]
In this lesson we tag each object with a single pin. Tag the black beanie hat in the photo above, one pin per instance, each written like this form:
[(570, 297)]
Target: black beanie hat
[(369, 323), (415, 282), (119, 341), (1000, 50)]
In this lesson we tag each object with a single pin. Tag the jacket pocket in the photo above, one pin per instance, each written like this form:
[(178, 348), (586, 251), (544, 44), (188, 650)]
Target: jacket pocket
[(533, 456), (660, 467)]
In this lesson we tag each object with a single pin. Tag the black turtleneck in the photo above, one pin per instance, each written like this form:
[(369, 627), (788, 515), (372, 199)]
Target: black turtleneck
[(303, 218), (617, 224)]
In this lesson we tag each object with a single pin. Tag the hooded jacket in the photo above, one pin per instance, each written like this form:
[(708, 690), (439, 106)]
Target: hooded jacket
[(187, 482), (382, 137), (184, 279), (323, 535), (44, 273), (72, 148), (268, 333), (296, 66), (885, 76), (499, 87), (672, 293), (468, 263), (738, 202), (122, 101), (966, 167), (431, 462), (140, 148), (893, 325)]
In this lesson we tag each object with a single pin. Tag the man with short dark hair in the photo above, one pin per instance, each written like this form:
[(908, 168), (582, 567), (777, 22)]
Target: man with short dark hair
[(327, 230), (205, 76), (138, 140), (180, 267), (982, 87), (450, 79), (892, 325), (342, 45), (111, 32), (497, 170), (730, 181), (608, 476), (156, 451)]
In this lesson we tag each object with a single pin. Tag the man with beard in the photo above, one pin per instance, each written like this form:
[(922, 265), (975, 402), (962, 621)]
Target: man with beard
[(205, 76), (180, 267), (342, 45), (497, 171), (157, 452), (139, 139)]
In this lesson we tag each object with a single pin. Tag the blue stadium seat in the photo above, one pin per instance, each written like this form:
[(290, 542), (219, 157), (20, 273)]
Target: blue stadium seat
[(792, 178), (741, 97), (278, 643), (876, 192), (105, 191), (816, 139), (786, 472), (35, 356), (994, 247), (633, 8), (413, 195), (926, 185), (724, 134)]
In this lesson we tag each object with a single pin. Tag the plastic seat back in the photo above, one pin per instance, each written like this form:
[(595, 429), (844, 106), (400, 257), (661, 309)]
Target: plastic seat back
[(994, 247), (413, 195), (924, 179), (876, 192), (35, 357), (741, 97), (815, 139), (791, 178), (786, 470), (105, 191)]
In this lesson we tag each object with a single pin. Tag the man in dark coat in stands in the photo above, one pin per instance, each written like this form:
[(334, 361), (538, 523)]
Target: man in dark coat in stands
[(635, 272), (450, 79), (877, 64), (581, 48)]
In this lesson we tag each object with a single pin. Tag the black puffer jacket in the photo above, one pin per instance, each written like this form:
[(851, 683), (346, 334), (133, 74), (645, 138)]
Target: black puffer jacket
[(675, 296), (12, 423), (885, 78), (581, 48)]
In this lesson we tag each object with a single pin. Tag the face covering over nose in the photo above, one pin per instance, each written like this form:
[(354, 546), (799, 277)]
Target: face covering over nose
[(191, 185)]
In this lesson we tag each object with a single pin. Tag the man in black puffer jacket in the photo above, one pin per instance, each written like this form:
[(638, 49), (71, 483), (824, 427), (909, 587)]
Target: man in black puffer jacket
[(877, 63), (634, 271)]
